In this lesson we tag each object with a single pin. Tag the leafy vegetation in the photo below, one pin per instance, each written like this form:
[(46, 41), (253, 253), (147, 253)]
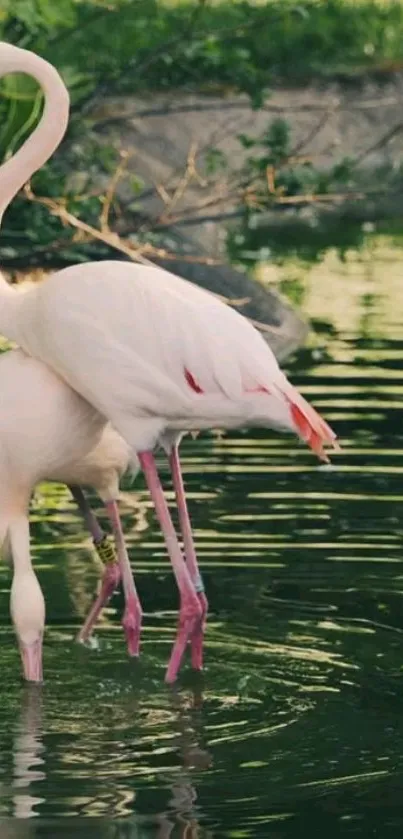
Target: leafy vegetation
[(103, 47), (133, 44)]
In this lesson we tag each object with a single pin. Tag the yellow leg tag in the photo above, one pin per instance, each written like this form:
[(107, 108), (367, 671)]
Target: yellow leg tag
[(106, 550)]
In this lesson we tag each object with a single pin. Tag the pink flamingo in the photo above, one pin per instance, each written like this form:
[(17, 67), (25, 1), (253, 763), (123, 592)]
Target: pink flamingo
[(48, 432), (152, 353)]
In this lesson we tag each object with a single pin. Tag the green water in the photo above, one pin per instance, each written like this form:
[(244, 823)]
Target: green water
[(296, 725)]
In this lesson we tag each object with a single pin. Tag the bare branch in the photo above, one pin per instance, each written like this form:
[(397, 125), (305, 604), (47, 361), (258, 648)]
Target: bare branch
[(326, 197), (110, 192), (379, 143), (163, 194), (86, 232), (313, 133), (188, 176)]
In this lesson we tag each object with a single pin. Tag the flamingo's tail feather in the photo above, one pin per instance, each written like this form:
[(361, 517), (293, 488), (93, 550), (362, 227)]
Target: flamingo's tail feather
[(310, 426)]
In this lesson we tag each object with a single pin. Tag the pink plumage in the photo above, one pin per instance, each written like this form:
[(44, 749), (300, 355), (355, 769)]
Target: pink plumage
[(48, 432)]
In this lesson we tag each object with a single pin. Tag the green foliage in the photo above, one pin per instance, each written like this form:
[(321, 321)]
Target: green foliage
[(254, 241), (133, 46), (136, 44), (275, 171), (215, 160), (36, 16)]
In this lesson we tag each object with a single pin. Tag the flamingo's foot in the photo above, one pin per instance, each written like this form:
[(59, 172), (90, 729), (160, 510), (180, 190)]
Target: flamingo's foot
[(110, 582), (197, 639), (190, 617), (131, 623)]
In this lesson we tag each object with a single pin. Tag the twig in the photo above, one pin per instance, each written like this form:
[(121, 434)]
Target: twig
[(108, 237), (163, 193), (313, 133), (311, 198), (189, 174), (379, 143), (109, 195)]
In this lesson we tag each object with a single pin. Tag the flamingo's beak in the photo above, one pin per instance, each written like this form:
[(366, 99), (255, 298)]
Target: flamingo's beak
[(31, 657)]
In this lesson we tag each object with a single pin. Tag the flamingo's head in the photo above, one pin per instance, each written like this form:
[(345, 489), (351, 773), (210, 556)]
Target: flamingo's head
[(31, 657), (27, 608)]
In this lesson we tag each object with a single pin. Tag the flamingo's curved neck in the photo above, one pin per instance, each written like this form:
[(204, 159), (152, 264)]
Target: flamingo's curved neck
[(39, 147), (27, 604)]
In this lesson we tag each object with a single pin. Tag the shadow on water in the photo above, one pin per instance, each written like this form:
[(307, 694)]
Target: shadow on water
[(296, 724)]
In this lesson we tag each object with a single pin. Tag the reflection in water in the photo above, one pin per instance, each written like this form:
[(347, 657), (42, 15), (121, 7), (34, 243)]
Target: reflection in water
[(180, 817), (182, 806), (27, 753), (296, 724)]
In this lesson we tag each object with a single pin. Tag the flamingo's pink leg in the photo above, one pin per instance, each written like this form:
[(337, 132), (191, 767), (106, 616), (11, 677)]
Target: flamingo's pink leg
[(133, 613), (110, 581), (115, 571), (88, 515), (190, 608), (112, 573), (191, 558)]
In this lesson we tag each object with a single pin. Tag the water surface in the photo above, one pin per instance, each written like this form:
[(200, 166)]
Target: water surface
[(296, 725)]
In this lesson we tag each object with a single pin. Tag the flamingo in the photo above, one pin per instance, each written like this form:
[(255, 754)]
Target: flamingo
[(152, 353), (48, 432)]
